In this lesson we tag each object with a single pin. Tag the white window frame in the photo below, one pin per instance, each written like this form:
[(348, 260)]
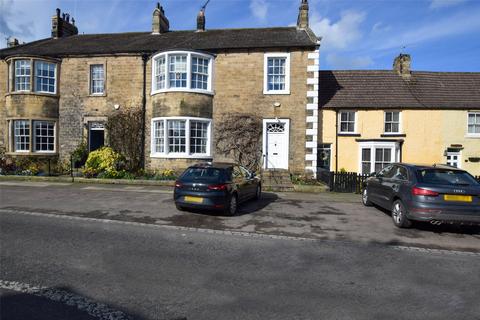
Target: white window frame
[(187, 153), (373, 145), (92, 79), (14, 135), (267, 56), (188, 88), (458, 154), (35, 76), (399, 122), (34, 136), (15, 76), (472, 135), (355, 124)]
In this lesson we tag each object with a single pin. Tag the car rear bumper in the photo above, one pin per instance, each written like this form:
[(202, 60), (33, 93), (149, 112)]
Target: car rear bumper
[(453, 214), (210, 200)]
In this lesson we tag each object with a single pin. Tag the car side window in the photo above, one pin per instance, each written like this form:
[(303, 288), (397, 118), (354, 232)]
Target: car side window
[(399, 173), (386, 172)]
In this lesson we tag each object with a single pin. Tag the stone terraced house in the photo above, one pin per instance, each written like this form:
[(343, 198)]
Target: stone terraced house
[(58, 91)]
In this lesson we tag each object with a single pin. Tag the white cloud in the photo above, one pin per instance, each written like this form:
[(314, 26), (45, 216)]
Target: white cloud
[(380, 27), (436, 4), (259, 9), (340, 34), (461, 23), (346, 62)]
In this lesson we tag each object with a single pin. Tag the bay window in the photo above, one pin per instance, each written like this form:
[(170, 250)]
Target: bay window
[(33, 136), (182, 71), (40, 74), (375, 155), (181, 137)]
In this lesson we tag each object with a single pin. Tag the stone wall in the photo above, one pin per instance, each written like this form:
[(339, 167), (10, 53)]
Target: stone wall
[(123, 87), (3, 108)]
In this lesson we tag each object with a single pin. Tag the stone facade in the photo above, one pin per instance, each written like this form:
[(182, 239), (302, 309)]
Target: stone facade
[(237, 85)]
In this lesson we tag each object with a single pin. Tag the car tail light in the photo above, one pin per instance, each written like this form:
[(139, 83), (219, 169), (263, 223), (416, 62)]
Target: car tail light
[(423, 192), (217, 187), (178, 184)]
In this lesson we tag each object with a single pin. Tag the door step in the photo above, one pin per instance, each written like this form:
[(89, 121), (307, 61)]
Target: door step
[(277, 180)]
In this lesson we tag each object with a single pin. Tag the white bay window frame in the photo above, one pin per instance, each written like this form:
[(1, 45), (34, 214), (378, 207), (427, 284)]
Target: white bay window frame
[(39, 136), (156, 152), (24, 75), (394, 148), (165, 56)]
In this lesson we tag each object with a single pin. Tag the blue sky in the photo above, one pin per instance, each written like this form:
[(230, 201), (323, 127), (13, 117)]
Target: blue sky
[(441, 35)]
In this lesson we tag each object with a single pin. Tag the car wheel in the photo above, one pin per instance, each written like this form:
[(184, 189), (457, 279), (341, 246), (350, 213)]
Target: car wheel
[(231, 208), (179, 207), (365, 200), (399, 215), (258, 193)]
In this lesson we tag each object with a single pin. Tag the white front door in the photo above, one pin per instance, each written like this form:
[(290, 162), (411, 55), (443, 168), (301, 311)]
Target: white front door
[(275, 143)]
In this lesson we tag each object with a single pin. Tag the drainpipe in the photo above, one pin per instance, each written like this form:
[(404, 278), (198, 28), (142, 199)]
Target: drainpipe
[(336, 140), (144, 107)]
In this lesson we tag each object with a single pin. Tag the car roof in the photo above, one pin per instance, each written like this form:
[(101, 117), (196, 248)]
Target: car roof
[(428, 166), (219, 165)]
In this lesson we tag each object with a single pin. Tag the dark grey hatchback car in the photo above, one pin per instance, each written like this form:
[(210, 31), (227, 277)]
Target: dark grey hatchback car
[(437, 194), (220, 186)]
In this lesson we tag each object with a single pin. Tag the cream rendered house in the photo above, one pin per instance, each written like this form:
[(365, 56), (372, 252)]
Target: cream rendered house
[(368, 118)]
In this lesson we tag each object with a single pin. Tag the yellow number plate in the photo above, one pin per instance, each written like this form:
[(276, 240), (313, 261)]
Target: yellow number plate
[(193, 199), (452, 197)]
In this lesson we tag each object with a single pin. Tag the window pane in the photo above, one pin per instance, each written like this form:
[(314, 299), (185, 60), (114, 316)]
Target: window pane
[(178, 71), (44, 76), (21, 135), (276, 74), (347, 121), (159, 136), (44, 135), (160, 73), (97, 78), (198, 137), (22, 75), (176, 136), (199, 73)]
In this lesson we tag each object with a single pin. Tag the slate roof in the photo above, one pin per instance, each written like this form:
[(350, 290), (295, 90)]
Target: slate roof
[(138, 42), (384, 89)]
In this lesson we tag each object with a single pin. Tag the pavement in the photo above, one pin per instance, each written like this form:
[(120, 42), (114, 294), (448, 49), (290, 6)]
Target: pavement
[(322, 216), (65, 267)]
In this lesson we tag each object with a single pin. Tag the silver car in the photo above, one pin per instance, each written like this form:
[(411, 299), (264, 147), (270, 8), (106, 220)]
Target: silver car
[(437, 194)]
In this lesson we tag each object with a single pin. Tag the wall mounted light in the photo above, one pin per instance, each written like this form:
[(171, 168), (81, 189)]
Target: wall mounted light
[(277, 104), (116, 106)]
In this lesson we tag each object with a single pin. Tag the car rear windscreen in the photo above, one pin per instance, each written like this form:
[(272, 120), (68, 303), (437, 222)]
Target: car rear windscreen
[(445, 176), (203, 174)]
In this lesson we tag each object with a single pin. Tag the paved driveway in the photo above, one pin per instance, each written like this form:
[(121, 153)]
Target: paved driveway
[(325, 216)]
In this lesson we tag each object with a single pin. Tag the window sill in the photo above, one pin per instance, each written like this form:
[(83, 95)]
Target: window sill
[(211, 93), (28, 153), (384, 135), (30, 93), (179, 156), (472, 136), (349, 134), (97, 95), (284, 92)]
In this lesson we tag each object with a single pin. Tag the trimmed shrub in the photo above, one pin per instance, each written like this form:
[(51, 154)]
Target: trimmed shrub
[(105, 163)]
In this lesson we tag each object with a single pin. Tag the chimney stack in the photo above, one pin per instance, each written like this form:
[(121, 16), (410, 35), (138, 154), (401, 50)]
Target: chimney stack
[(401, 65), (12, 42), (201, 21), (61, 25), (302, 21), (160, 23)]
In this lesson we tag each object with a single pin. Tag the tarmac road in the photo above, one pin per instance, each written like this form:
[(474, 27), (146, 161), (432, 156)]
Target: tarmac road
[(155, 272)]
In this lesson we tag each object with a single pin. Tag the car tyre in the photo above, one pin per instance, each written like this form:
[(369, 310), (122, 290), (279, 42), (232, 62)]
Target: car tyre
[(232, 205), (258, 192), (399, 215), (179, 207), (365, 200)]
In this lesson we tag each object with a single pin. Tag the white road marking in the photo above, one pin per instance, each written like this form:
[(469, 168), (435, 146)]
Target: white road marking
[(95, 309), (128, 189)]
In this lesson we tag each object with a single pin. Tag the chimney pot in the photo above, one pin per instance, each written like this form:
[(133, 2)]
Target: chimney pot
[(201, 21), (61, 26), (160, 23)]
